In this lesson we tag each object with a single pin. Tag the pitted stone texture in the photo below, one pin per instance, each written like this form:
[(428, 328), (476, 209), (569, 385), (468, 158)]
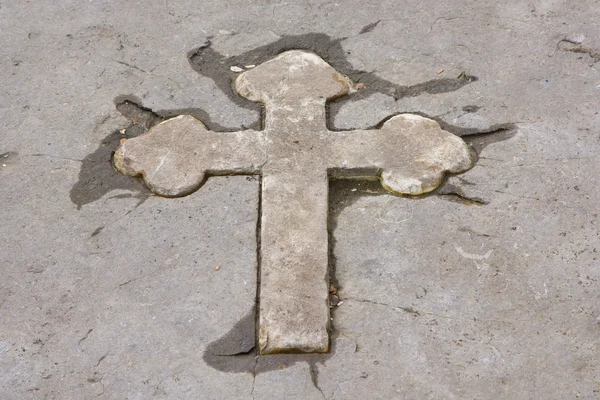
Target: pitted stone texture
[(295, 154)]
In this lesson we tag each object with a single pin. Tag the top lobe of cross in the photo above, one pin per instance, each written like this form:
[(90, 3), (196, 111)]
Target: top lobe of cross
[(295, 155), (292, 72)]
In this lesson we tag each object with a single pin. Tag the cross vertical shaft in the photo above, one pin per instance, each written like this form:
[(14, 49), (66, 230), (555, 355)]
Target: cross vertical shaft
[(294, 307), (294, 310)]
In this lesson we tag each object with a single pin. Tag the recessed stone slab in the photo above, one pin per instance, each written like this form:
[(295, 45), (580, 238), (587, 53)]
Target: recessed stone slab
[(295, 155)]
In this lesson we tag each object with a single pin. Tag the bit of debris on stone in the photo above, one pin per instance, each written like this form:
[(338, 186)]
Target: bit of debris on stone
[(332, 289), (360, 86), (236, 69), (464, 76), (218, 267), (576, 39), (439, 71), (333, 301)]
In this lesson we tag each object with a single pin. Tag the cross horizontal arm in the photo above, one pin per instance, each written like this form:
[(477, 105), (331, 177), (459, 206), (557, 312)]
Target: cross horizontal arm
[(175, 157), (410, 154)]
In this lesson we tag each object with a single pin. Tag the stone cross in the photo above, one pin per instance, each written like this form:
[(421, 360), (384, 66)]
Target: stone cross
[(295, 155)]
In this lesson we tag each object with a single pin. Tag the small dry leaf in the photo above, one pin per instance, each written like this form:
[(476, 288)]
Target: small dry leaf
[(122, 141), (122, 131), (249, 66), (360, 86), (218, 267), (439, 70), (332, 289), (236, 69)]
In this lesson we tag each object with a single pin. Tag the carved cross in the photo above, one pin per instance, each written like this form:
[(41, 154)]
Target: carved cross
[(295, 155)]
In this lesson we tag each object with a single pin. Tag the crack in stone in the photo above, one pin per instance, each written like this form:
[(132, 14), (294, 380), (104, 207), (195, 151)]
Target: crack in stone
[(418, 313), (153, 273), (368, 28), (462, 199), (314, 377), (408, 310), (50, 156), (131, 66), (97, 231), (101, 359), (472, 232), (94, 378), (455, 193), (576, 47), (254, 375), (84, 337), (258, 263)]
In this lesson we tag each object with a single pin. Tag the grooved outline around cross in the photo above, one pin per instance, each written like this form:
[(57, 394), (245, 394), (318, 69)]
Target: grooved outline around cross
[(296, 155)]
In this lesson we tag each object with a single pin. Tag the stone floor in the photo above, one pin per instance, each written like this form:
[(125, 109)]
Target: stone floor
[(488, 288)]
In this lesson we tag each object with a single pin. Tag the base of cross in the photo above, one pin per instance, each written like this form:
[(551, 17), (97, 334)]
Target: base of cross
[(295, 155)]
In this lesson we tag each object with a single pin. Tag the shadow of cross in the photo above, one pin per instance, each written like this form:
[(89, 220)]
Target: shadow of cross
[(296, 155)]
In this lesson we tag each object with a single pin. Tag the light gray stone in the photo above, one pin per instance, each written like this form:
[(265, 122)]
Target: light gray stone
[(295, 154), (525, 328)]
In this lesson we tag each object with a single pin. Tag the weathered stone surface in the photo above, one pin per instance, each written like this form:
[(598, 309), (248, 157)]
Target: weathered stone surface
[(531, 317), (295, 154), (176, 155)]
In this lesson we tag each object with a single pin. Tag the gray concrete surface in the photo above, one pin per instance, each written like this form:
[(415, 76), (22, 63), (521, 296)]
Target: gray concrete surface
[(488, 288)]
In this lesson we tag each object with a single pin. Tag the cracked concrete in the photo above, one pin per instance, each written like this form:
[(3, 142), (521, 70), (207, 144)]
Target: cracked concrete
[(521, 323)]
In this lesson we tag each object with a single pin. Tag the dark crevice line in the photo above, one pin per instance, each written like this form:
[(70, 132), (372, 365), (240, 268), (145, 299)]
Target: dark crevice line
[(576, 47), (314, 377), (258, 267), (460, 198), (368, 28)]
